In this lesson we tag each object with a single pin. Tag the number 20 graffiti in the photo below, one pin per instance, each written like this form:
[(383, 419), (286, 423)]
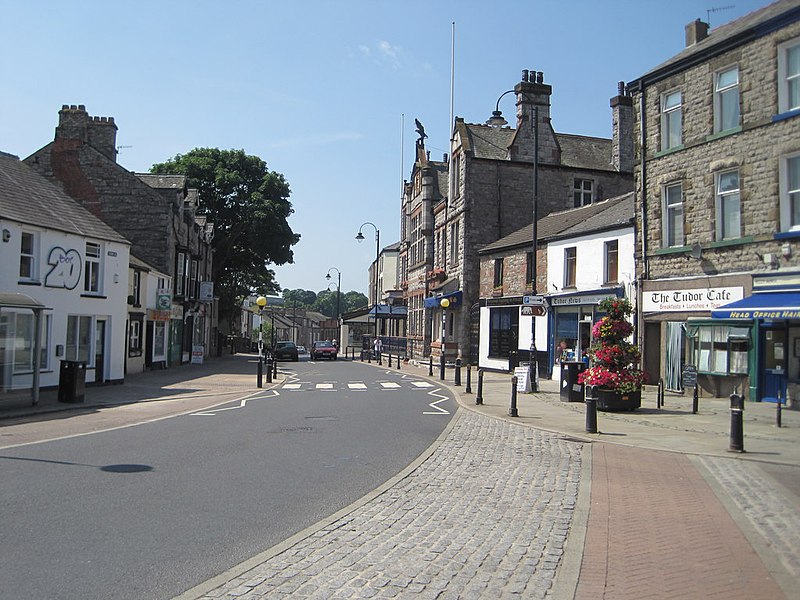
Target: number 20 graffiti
[(66, 271)]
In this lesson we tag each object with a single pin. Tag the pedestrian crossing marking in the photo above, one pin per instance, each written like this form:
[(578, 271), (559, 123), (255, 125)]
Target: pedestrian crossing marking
[(421, 384), (357, 386), (292, 386), (389, 385), (324, 386)]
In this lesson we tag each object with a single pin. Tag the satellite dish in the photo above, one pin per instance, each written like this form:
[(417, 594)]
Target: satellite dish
[(697, 251)]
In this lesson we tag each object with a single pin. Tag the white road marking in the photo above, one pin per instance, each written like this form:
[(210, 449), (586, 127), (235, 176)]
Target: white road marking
[(324, 386), (292, 386), (421, 384), (357, 386), (435, 405), (242, 404), (389, 385)]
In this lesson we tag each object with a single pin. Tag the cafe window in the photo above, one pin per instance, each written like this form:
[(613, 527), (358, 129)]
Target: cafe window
[(719, 349), (503, 331)]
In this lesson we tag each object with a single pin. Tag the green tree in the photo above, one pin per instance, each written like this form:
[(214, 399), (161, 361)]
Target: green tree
[(249, 207), (353, 300)]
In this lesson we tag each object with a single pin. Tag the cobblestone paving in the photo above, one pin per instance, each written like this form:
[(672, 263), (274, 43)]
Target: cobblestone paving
[(485, 516), (769, 511)]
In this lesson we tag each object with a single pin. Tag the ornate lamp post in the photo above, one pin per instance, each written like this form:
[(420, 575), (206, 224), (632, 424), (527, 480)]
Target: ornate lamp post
[(360, 238), (444, 303), (338, 290), (497, 120)]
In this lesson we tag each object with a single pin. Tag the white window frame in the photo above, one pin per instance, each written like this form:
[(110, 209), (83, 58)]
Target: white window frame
[(580, 190), (31, 256), (722, 91), (570, 266), (79, 342), (788, 82), (611, 247), (671, 239), (180, 274), (728, 207), (670, 115), (93, 268), (790, 193), (135, 337)]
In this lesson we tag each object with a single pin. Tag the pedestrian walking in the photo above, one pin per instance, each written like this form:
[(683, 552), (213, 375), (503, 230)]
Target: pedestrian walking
[(378, 347)]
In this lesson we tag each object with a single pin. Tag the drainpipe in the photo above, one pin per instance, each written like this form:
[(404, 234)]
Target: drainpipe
[(643, 232)]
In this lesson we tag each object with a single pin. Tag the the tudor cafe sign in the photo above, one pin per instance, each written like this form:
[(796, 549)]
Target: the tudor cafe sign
[(689, 300)]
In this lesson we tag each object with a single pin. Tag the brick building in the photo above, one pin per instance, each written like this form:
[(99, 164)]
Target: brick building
[(155, 212), (718, 202), (491, 194)]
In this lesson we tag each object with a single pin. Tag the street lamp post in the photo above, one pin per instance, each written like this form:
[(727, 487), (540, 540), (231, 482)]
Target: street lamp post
[(338, 290), (444, 303), (360, 238), (261, 302), (497, 120)]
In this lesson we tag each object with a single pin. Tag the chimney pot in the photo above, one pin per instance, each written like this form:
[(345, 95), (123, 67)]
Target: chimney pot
[(539, 77), (696, 31), (524, 74), (621, 88)]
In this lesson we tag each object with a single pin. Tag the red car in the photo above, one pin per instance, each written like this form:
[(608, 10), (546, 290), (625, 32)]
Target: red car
[(324, 350)]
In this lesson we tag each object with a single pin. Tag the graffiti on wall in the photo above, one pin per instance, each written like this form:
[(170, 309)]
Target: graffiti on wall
[(66, 266)]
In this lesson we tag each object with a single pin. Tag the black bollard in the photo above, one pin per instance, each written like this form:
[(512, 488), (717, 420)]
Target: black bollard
[(260, 378), (380, 358), (591, 409), (778, 409), (660, 394), (398, 362), (269, 369), (457, 376), (695, 401), (737, 423), (390, 359), (479, 397), (274, 366), (468, 389), (512, 412), (430, 365), (441, 365)]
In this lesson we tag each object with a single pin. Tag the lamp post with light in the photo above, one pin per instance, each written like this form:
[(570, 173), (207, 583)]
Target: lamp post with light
[(360, 238), (444, 303), (338, 289), (497, 121), (261, 302)]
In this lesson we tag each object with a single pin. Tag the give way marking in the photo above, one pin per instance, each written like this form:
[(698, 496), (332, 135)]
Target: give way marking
[(242, 404), (438, 410)]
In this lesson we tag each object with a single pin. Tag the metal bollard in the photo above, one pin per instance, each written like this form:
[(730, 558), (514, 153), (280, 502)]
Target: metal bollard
[(591, 409), (660, 394), (457, 375), (468, 389), (512, 412), (398, 362), (778, 409), (390, 359), (380, 358), (737, 423), (430, 365), (479, 396), (695, 401), (369, 356), (269, 369), (441, 365), (274, 366), (260, 378)]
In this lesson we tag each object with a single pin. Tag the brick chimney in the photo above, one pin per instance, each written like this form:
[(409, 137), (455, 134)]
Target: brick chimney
[(533, 93), (74, 123), (622, 143), (696, 31)]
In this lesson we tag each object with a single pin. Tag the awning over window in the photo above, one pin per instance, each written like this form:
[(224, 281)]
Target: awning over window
[(766, 305), (13, 300), (385, 311), (454, 297)]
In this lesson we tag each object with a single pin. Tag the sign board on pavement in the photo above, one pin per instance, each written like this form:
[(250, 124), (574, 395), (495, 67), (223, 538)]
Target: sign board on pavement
[(523, 379)]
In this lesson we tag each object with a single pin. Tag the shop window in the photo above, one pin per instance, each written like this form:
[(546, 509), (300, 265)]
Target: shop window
[(503, 331), (719, 349), (159, 341), (23, 341)]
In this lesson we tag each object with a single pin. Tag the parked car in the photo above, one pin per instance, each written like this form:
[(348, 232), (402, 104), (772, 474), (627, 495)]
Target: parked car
[(324, 349), (286, 350), (302, 350)]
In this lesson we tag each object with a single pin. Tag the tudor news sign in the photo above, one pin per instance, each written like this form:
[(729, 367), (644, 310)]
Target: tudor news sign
[(690, 300)]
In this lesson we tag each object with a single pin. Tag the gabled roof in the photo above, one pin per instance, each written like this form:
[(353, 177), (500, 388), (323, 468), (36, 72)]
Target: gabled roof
[(579, 151), (725, 37), (600, 216), (27, 197), (163, 182)]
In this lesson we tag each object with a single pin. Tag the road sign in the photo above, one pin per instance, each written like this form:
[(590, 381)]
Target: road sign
[(533, 301), (534, 311)]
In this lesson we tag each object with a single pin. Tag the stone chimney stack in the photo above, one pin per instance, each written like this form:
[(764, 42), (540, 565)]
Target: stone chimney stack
[(622, 143), (696, 31), (74, 123), (532, 94)]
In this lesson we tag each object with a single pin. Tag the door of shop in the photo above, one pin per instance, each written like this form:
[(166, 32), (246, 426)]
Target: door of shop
[(775, 355)]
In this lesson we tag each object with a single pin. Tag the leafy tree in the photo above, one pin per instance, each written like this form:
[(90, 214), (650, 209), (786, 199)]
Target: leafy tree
[(353, 300), (325, 301), (304, 298), (249, 207)]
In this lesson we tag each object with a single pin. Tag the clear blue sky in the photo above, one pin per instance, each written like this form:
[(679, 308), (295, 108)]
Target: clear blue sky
[(317, 88)]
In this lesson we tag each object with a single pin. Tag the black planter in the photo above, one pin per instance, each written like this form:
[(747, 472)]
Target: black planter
[(614, 401)]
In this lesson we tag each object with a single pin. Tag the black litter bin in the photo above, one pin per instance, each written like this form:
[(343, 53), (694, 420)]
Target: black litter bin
[(571, 390), (72, 381)]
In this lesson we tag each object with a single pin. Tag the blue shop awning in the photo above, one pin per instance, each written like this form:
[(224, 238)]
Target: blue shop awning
[(766, 305), (455, 299)]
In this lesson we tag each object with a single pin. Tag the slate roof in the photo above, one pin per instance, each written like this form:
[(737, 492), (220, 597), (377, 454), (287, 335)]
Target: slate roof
[(725, 37), (163, 182), (577, 151), (599, 216), (27, 197)]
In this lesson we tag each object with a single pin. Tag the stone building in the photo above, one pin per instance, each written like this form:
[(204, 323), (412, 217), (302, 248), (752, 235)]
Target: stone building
[(155, 212), (497, 173), (718, 203)]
